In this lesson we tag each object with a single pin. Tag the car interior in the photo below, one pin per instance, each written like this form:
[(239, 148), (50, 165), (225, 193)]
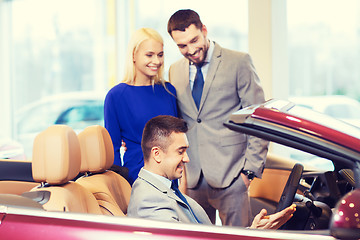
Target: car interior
[(71, 173), (111, 190), (56, 162), (314, 192)]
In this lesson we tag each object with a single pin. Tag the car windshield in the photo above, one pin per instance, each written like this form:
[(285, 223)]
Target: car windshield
[(317, 117), (343, 111), (325, 120)]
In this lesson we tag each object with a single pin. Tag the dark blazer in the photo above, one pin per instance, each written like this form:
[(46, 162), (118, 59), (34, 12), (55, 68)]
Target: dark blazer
[(231, 84), (150, 198)]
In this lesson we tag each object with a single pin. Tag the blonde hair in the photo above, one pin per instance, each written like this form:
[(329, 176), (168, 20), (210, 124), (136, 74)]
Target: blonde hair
[(137, 38)]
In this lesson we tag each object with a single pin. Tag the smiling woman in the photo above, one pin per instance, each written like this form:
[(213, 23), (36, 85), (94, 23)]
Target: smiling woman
[(148, 61), (143, 94)]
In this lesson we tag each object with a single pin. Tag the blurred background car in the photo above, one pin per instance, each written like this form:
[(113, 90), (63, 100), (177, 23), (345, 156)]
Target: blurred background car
[(11, 149), (76, 109)]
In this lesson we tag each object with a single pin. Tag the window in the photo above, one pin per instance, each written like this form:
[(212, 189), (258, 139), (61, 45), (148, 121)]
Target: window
[(58, 46), (55, 47), (324, 51)]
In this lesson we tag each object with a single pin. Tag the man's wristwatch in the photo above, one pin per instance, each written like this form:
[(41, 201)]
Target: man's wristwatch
[(250, 174)]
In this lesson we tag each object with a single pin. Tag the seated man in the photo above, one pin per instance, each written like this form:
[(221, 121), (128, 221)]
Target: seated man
[(164, 146)]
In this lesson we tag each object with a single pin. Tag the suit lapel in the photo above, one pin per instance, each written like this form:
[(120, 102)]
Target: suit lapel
[(213, 66), (187, 85), (156, 183)]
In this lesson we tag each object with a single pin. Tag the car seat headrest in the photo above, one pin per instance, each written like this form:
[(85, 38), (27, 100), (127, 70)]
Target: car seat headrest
[(97, 152), (56, 155)]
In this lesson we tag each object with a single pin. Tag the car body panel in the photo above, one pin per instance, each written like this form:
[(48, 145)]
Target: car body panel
[(18, 223), (279, 124), (270, 113)]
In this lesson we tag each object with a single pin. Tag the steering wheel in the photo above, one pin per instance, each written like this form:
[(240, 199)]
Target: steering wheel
[(288, 194)]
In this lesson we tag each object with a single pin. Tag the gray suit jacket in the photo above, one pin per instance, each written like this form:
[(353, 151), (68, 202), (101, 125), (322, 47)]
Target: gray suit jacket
[(150, 198), (231, 84)]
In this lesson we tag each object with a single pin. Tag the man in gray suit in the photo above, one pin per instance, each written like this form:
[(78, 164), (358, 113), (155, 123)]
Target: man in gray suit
[(223, 162), (164, 144)]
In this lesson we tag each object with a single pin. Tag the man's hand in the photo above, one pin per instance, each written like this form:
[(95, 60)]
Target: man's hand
[(273, 221), (245, 179)]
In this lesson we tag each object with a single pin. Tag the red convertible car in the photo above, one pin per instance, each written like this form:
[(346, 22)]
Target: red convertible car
[(68, 191)]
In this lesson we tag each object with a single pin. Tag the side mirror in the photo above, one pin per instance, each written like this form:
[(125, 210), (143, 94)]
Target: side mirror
[(345, 222)]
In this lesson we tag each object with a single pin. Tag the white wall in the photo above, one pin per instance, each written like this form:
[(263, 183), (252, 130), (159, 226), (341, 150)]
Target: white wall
[(268, 45), (5, 84)]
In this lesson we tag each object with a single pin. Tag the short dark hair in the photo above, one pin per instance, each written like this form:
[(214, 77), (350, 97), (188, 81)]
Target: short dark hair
[(182, 19), (157, 131)]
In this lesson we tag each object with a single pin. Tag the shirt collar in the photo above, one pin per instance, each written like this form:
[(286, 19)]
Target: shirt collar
[(162, 179)]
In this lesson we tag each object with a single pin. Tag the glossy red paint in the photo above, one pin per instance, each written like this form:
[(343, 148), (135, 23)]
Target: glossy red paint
[(346, 219), (347, 213), (300, 124), (16, 226)]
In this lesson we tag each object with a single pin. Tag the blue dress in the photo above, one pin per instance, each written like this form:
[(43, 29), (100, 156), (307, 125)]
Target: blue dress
[(127, 108)]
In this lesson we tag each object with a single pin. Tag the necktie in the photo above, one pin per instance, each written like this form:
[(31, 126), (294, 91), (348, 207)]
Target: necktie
[(198, 86), (181, 196)]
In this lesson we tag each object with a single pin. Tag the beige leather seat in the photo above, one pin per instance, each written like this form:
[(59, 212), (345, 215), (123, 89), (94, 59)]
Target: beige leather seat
[(56, 161), (110, 189)]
